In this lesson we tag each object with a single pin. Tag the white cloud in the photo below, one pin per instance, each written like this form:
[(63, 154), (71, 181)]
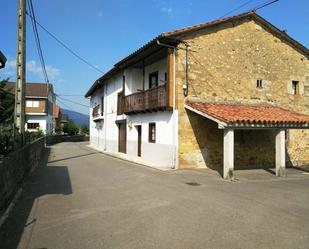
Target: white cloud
[(167, 10), (32, 67)]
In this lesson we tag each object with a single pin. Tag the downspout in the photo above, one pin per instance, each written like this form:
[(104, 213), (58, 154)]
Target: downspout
[(105, 114), (174, 105)]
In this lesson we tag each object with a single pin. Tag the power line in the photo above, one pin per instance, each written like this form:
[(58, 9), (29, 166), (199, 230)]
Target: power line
[(72, 101), (64, 45), (237, 8), (37, 40), (257, 7), (264, 4)]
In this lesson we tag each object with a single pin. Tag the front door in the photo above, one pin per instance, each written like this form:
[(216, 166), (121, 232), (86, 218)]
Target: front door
[(139, 140), (122, 138)]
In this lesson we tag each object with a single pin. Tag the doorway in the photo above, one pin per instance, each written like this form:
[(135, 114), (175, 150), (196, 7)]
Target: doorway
[(122, 137), (139, 140)]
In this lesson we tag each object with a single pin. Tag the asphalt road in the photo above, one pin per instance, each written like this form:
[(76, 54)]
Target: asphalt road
[(84, 199)]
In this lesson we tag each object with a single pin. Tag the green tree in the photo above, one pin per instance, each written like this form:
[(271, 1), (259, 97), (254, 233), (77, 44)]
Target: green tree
[(85, 130), (70, 128), (7, 104), (7, 101)]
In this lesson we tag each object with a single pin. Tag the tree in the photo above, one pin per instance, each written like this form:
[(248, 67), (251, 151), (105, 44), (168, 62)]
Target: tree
[(7, 104), (70, 128), (7, 101), (85, 130)]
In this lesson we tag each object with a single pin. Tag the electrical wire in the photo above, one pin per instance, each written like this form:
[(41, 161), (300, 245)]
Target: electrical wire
[(72, 101), (37, 40), (264, 4), (237, 8), (64, 45)]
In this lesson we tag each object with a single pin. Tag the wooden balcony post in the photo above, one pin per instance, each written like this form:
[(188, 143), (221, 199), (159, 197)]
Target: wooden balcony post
[(170, 78)]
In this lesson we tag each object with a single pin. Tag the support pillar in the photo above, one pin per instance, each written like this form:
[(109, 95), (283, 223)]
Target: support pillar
[(280, 153), (228, 154)]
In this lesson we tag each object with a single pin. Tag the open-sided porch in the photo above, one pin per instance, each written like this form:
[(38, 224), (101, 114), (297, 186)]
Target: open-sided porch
[(234, 117)]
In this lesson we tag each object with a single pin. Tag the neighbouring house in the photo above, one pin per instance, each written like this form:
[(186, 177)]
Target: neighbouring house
[(228, 94), (56, 119), (40, 99), (64, 120)]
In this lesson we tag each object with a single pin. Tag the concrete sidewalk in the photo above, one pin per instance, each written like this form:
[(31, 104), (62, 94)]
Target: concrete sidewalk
[(80, 198)]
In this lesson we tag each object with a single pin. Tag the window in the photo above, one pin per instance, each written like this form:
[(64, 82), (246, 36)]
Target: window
[(32, 103), (165, 77), (153, 79), (32, 126), (152, 132), (259, 83), (295, 87)]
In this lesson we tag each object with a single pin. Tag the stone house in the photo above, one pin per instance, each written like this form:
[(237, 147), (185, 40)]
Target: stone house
[(235, 92)]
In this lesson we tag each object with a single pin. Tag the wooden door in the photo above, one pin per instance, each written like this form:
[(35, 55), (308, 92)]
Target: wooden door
[(139, 140), (122, 138)]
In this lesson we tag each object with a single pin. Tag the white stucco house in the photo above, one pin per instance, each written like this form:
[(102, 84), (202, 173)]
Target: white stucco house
[(40, 99), (130, 112)]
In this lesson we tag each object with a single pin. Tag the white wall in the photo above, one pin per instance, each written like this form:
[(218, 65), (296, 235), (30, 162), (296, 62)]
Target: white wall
[(41, 119), (162, 151), (161, 67), (104, 134)]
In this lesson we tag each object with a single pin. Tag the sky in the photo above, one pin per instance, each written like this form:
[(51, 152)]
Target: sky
[(105, 31)]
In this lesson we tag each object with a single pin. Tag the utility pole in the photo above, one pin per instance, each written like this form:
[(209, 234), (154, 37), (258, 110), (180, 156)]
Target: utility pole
[(20, 86)]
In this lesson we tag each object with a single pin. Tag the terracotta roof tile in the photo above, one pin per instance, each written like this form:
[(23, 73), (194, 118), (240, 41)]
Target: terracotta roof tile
[(231, 113), (32, 89)]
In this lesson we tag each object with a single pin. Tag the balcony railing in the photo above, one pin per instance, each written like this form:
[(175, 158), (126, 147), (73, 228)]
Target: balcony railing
[(152, 99), (96, 111)]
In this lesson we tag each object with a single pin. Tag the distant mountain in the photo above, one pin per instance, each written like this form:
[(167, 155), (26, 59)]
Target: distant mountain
[(79, 118)]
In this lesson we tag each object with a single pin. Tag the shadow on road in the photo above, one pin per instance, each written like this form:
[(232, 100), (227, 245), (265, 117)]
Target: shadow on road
[(43, 181), (72, 157)]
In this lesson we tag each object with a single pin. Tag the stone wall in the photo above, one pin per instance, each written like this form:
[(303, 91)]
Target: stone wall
[(224, 63), (15, 167), (54, 139)]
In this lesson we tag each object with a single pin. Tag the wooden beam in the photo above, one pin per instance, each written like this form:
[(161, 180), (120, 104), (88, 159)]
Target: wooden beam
[(170, 77)]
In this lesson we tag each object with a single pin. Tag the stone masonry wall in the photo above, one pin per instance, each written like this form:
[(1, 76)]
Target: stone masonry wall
[(224, 63), (15, 167)]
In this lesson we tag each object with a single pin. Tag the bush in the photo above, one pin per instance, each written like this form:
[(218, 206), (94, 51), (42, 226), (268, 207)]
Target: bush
[(70, 128), (85, 130)]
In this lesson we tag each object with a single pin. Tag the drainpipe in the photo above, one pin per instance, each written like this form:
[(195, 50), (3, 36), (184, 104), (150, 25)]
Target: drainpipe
[(105, 115), (174, 105)]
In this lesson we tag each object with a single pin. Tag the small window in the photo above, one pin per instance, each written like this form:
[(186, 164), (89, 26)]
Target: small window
[(295, 87), (259, 83), (165, 77), (33, 126), (152, 132), (28, 103), (153, 79), (35, 103)]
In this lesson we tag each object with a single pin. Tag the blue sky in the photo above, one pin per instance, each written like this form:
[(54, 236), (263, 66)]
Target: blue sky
[(104, 31)]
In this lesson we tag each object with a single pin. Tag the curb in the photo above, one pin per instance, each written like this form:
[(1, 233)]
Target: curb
[(8, 210)]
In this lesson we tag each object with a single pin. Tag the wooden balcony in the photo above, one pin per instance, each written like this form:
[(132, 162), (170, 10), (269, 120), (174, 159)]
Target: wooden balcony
[(96, 113), (153, 99)]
